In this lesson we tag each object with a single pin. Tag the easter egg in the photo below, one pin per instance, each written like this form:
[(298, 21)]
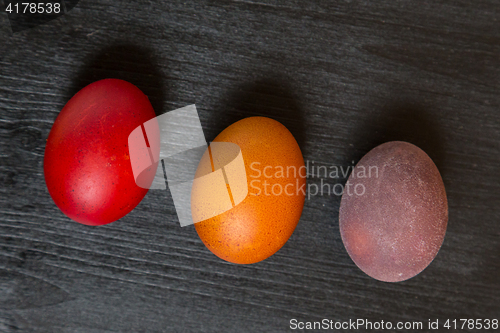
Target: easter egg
[(259, 225), (394, 212), (87, 164)]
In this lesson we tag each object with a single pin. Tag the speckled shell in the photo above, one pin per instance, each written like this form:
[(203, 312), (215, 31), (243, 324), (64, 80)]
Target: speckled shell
[(395, 228), (261, 224)]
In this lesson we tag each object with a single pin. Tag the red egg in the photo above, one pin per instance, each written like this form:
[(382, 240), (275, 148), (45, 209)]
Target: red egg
[(87, 164)]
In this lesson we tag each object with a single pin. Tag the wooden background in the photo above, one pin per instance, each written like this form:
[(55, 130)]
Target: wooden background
[(343, 76)]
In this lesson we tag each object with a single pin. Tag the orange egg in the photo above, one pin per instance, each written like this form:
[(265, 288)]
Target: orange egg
[(261, 224)]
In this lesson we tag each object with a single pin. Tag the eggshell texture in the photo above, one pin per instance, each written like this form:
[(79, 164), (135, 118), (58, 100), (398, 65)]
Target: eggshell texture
[(393, 229), (87, 164), (262, 223)]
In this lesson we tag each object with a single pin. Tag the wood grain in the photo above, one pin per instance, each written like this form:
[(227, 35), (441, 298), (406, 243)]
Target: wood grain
[(343, 76)]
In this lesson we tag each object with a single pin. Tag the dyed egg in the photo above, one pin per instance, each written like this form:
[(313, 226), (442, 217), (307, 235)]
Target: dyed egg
[(394, 212), (264, 220), (87, 164)]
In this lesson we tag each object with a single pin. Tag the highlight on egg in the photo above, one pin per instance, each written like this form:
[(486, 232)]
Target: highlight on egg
[(393, 218), (261, 223)]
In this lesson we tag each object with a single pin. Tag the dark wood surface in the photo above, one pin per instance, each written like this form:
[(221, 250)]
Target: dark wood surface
[(343, 76)]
